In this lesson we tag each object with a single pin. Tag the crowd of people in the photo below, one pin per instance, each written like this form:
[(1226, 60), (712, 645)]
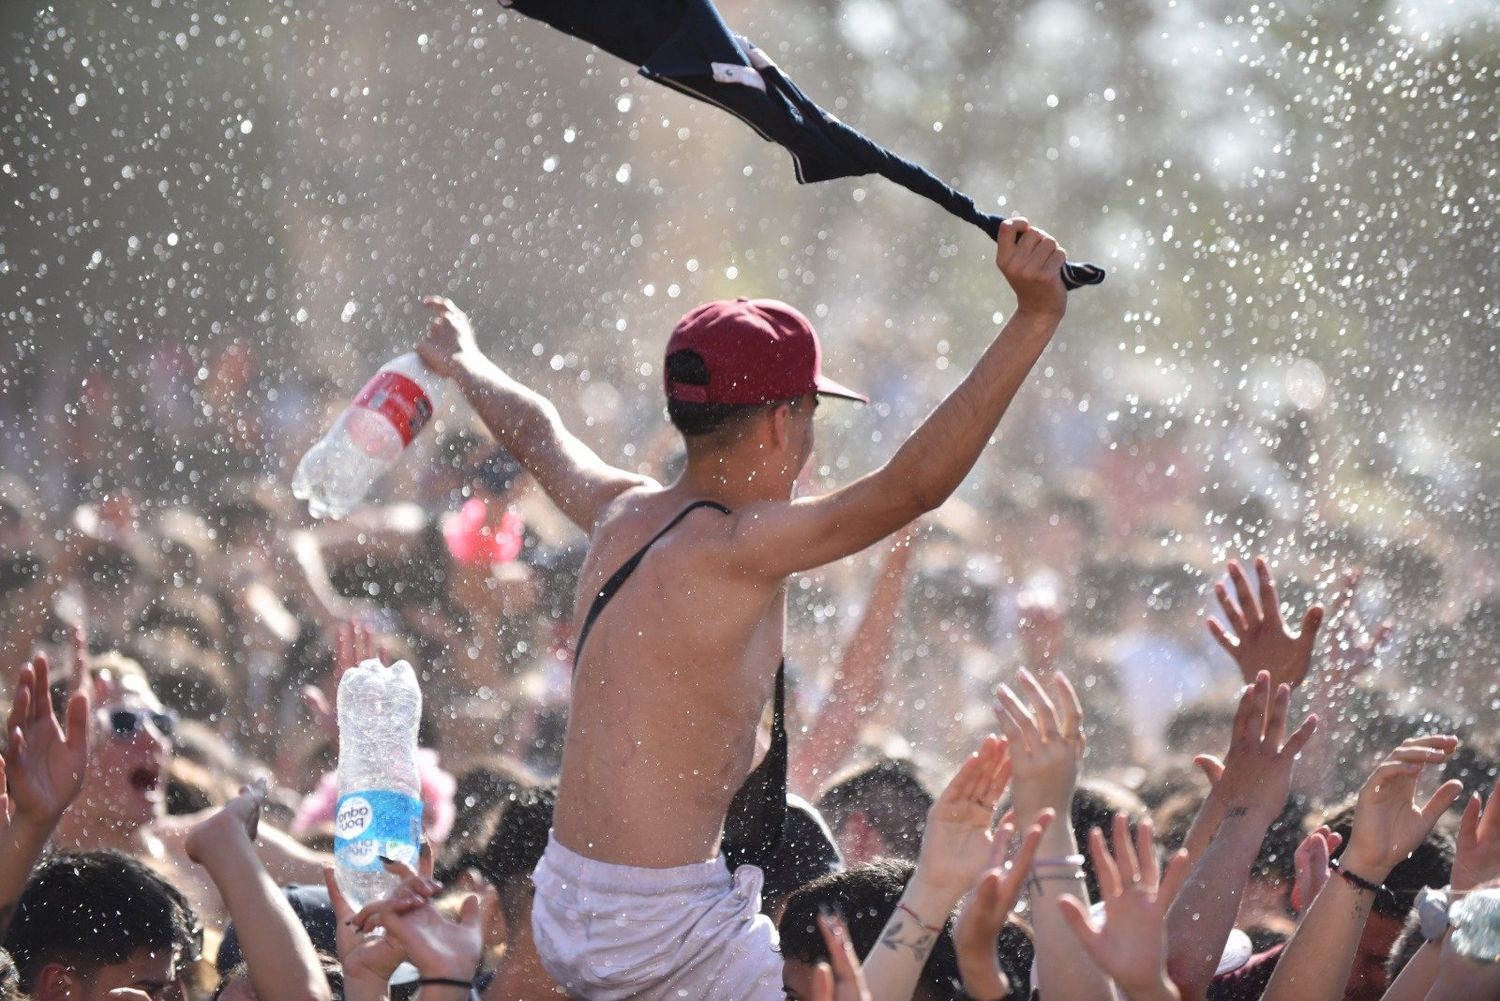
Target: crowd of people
[(1028, 750)]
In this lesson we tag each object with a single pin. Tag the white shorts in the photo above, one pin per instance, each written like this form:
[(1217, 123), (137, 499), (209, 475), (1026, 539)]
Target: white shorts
[(608, 932)]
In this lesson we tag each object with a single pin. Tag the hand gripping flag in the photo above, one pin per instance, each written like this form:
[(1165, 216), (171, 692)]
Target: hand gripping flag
[(686, 45)]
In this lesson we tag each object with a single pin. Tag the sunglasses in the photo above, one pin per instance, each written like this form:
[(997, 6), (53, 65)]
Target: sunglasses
[(127, 723)]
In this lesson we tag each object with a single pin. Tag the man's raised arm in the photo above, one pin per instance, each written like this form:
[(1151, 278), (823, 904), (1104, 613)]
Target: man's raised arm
[(579, 482), (783, 538)]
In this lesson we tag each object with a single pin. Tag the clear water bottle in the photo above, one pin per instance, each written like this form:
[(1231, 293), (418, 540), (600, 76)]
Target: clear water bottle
[(368, 437), (380, 789)]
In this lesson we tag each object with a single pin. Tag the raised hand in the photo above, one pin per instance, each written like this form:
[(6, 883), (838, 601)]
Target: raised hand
[(1388, 822), (1256, 774), (1130, 944), (987, 907), (1311, 862), (839, 979), (1261, 640), (437, 947), (354, 643), (237, 823), (370, 959), (1477, 860), (1355, 646), (1046, 743), (46, 760), (1031, 262), (959, 844), (448, 337)]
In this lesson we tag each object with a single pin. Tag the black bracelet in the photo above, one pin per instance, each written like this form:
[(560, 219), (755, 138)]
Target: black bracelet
[(1356, 880), (445, 982)]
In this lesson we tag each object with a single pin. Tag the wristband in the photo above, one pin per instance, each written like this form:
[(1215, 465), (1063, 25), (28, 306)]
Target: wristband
[(926, 927), (1359, 882), (444, 982)]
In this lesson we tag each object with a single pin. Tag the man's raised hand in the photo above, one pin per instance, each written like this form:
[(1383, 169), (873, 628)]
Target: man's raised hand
[(1261, 640), (1031, 262), (448, 338)]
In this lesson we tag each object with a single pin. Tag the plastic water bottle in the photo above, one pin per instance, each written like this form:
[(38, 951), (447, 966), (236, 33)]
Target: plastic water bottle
[(379, 808), (368, 437)]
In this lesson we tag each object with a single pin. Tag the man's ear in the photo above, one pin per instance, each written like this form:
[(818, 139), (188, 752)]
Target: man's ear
[(781, 426), (56, 982)]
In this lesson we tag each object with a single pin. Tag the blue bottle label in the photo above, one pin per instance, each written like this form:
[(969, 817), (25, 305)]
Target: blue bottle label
[(376, 822)]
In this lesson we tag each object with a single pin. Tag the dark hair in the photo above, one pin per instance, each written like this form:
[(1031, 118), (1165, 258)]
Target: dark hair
[(888, 791), (516, 847), (866, 895), (10, 978), (697, 420), (93, 909), (333, 972), (807, 852), (1278, 850)]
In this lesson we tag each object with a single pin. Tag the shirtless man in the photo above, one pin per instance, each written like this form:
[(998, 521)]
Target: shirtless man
[(633, 898)]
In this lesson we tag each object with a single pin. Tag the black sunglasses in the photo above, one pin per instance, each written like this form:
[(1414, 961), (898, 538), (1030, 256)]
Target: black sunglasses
[(126, 723)]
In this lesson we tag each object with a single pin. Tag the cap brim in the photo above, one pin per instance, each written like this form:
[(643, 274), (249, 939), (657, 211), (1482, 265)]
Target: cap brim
[(827, 387)]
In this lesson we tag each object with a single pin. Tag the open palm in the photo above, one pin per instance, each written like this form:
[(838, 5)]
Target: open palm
[(1261, 640), (45, 760), (959, 842)]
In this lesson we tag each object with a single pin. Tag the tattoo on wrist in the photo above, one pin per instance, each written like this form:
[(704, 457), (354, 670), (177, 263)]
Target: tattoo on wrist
[(1237, 812), (903, 935)]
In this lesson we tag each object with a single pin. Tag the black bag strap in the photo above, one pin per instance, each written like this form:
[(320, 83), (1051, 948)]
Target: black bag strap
[(617, 580), (757, 814)]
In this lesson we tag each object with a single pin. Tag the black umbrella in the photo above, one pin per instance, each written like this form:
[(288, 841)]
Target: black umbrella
[(686, 45)]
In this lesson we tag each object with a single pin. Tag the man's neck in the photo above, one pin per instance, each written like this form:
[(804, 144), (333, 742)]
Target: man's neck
[(729, 479)]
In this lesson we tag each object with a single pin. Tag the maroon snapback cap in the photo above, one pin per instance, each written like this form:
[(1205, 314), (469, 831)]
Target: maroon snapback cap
[(756, 351)]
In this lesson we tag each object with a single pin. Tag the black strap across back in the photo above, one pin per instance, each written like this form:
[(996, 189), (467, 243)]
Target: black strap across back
[(757, 814)]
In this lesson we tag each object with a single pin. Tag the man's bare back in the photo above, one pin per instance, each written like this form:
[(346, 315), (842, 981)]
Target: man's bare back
[(668, 694)]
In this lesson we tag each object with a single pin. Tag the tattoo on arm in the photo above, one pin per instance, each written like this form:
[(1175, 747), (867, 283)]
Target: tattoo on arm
[(919, 941), (1237, 812)]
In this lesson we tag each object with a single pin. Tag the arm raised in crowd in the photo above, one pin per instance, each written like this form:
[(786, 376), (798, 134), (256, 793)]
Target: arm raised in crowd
[(277, 950), (860, 677), (42, 770), (369, 958), (1475, 863), (446, 952), (1130, 944), (1250, 792), (774, 539), (1047, 746), (976, 930), (1388, 825), (1261, 640), (959, 845), (580, 483)]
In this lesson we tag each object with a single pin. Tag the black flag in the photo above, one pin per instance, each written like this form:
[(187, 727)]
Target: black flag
[(686, 45)]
